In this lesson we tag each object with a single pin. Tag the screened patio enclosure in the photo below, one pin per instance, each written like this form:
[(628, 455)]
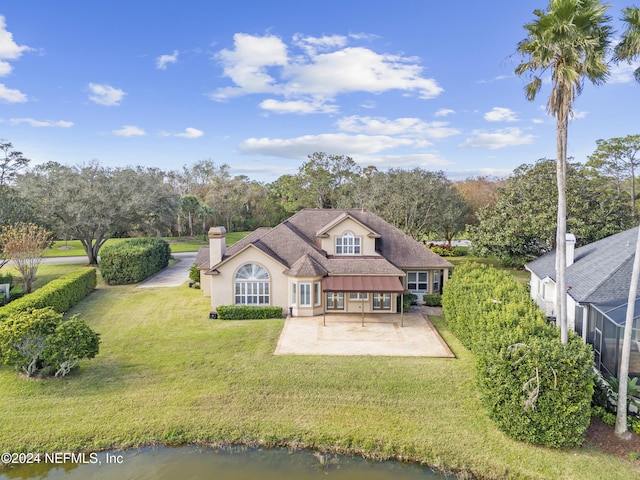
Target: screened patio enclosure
[(605, 332)]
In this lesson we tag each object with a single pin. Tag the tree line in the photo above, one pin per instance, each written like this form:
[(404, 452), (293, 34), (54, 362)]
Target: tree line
[(511, 218)]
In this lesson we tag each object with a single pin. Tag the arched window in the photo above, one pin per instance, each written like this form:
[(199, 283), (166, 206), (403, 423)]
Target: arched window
[(252, 285), (348, 244)]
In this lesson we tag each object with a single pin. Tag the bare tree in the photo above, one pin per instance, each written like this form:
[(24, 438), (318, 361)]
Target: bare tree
[(24, 244)]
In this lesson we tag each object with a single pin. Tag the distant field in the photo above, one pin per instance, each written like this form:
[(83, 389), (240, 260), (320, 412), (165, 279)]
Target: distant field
[(73, 248)]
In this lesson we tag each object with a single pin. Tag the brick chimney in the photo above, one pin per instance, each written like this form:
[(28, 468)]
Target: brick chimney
[(571, 248), (217, 244)]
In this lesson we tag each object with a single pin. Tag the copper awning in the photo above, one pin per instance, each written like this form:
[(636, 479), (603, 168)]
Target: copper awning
[(376, 284)]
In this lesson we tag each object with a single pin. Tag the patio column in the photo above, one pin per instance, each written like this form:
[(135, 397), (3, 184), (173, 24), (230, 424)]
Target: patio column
[(361, 294), (402, 309)]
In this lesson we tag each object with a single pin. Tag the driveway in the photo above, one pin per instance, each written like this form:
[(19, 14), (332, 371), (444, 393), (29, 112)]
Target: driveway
[(173, 276), (381, 335)]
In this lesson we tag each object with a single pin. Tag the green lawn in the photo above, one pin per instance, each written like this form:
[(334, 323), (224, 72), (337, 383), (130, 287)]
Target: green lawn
[(45, 273), (73, 248), (168, 374), (520, 274)]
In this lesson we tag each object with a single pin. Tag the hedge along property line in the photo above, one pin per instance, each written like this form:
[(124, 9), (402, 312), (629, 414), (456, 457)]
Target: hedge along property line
[(134, 260), (60, 294), (534, 388), (244, 312)]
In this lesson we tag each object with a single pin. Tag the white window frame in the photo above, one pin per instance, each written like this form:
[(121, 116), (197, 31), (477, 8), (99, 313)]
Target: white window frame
[(417, 282), (252, 285), (304, 294), (358, 296), (317, 294), (293, 294), (436, 281), (348, 244)]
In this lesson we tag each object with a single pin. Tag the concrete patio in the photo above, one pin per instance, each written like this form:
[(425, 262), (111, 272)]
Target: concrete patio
[(381, 335)]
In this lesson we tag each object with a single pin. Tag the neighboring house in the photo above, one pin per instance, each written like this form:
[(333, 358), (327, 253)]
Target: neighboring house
[(598, 279), (320, 261)]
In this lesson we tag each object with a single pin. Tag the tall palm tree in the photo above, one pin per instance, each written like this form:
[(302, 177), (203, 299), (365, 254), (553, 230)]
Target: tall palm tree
[(627, 50), (569, 40)]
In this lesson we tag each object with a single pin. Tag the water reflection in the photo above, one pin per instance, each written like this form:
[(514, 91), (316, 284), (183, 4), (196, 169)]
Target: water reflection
[(228, 463)]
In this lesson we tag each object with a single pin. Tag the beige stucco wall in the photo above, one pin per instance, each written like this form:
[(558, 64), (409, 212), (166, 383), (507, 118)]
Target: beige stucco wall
[(205, 283), (367, 244), (222, 285)]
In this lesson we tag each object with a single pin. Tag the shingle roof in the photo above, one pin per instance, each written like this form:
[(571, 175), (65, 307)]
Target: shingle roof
[(601, 270), (294, 244)]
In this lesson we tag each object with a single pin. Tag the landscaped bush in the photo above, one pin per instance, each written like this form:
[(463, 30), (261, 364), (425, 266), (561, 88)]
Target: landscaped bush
[(447, 251), (60, 294), (194, 273), (40, 342), (134, 260), (535, 388), (246, 312), (406, 301), (432, 300)]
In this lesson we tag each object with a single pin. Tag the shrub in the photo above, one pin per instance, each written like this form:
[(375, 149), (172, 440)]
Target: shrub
[(194, 273), (61, 294), (23, 338), (134, 260), (406, 301), (434, 300), (40, 341), (535, 388), (246, 312), (72, 341), (7, 278)]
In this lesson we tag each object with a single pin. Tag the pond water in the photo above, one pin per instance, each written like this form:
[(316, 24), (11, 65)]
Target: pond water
[(227, 463)]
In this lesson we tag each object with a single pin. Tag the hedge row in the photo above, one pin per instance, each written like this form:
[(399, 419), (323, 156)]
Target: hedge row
[(534, 388), (432, 300), (245, 312), (134, 260), (61, 294)]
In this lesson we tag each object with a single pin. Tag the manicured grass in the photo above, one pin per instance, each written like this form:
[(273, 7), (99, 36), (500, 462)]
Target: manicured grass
[(73, 248), (166, 373)]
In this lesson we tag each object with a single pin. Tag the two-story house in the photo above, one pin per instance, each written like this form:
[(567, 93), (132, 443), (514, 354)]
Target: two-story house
[(320, 261)]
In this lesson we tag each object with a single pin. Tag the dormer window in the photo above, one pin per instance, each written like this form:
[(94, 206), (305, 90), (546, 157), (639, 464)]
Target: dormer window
[(348, 244)]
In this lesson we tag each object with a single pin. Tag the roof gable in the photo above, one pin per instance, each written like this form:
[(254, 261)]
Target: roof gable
[(293, 244)]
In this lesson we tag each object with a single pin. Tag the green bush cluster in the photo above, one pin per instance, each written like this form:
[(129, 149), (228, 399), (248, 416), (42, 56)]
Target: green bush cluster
[(194, 273), (134, 260), (432, 300), (40, 343), (61, 294), (406, 301), (247, 312), (534, 388), (446, 251)]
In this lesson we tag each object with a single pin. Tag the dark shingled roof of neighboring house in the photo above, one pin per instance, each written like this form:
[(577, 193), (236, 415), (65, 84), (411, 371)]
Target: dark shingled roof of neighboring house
[(601, 271)]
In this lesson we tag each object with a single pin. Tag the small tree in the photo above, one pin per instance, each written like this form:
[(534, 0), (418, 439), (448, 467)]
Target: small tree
[(72, 341), (25, 244)]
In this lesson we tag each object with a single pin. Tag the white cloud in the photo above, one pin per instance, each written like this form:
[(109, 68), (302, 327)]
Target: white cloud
[(311, 45), (163, 60), (324, 68), (300, 147), (246, 65), (508, 137), (188, 133), (443, 112), (623, 72), (297, 106), (105, 94), (129, 131), (501, 114), (578, 114), (9, 50), (41, 123), (413, 127), (9, 95)]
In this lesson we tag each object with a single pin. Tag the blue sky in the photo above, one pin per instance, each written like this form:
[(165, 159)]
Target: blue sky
[(261, 85)]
